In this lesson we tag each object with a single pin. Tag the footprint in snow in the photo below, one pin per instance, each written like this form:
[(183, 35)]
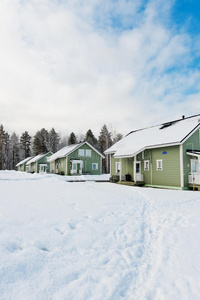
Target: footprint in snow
[(41, 246), (72, 226), (44, 249), (14, 247), (60, 231)]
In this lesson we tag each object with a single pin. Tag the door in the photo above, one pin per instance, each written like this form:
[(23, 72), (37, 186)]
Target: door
[(74, 168), (138, 174)]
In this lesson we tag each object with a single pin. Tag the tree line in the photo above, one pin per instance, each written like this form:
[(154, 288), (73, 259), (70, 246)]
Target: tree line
[(14, 149)]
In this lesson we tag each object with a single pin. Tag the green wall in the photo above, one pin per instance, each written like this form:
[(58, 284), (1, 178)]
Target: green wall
[(168, 176), (192, 143), (65, 165), (87, 161)]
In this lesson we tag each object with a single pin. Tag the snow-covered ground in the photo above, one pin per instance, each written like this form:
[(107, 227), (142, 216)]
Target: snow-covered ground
[(91, 240)]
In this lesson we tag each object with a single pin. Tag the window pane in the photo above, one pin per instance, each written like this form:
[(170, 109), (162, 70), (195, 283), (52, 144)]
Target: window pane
[(95, 166), (137, 167), (88, 153), (81, 152), (117, 167), (194, 166), (146, 165), (159, 164)]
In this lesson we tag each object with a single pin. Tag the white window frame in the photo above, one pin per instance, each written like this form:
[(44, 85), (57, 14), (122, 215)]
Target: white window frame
[(194, 162), (96, 166), (146, 165), (117, 167), (81, 152), (88, 153), (159, 164)]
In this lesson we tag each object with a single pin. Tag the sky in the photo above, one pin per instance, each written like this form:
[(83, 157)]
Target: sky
[(79, 64)]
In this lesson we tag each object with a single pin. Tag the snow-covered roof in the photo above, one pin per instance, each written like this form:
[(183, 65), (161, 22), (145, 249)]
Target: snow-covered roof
[(69, 149), (171, 133), (23, 161), (36, 158)]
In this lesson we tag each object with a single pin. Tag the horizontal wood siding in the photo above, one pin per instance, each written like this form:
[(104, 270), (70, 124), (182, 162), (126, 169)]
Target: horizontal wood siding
[(146, 155), (192, 143), (113, 164), (87, 161), (170, 174), (127, 166)]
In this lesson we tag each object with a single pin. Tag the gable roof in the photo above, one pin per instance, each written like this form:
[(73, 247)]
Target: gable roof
[(166, 134), (36, 158), (23, 161), (69, 149)]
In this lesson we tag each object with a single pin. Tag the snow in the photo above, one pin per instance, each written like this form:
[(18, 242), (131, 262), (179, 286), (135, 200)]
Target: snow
[(150, 137), (23, 161), (36, 158), (65, 151), (90, 240)]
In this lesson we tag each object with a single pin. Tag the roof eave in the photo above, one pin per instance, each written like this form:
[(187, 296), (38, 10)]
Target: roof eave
[(147, 148)]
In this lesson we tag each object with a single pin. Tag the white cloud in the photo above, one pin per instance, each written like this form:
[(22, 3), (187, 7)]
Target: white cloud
[(63, 64)]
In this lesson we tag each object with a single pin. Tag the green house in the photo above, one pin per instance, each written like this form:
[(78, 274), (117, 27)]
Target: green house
[(38, 164), (165, 155), (76, 159), (21, 166)]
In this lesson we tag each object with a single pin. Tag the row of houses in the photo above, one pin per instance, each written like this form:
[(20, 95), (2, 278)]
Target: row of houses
[(74, 159), (165, 155)]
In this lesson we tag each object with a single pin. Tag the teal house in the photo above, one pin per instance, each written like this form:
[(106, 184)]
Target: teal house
[(165, 155), (76, 159), (38, 164), (21, 166)]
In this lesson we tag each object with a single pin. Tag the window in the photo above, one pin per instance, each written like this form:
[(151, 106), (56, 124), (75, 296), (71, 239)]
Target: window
[(94, 166), (118, 167), (146, 165), (80, 152), (137, 167), (194, 165), (159, 164), (88, 153)]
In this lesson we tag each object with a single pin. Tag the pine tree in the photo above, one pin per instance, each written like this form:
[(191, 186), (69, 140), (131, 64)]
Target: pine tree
[(25, 141), (41, 142), (104, 143), (7, 156), (90, 138), (53, 140), (44, 145), (117, 137), (72, 139), (2, 136), (15, 153)]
